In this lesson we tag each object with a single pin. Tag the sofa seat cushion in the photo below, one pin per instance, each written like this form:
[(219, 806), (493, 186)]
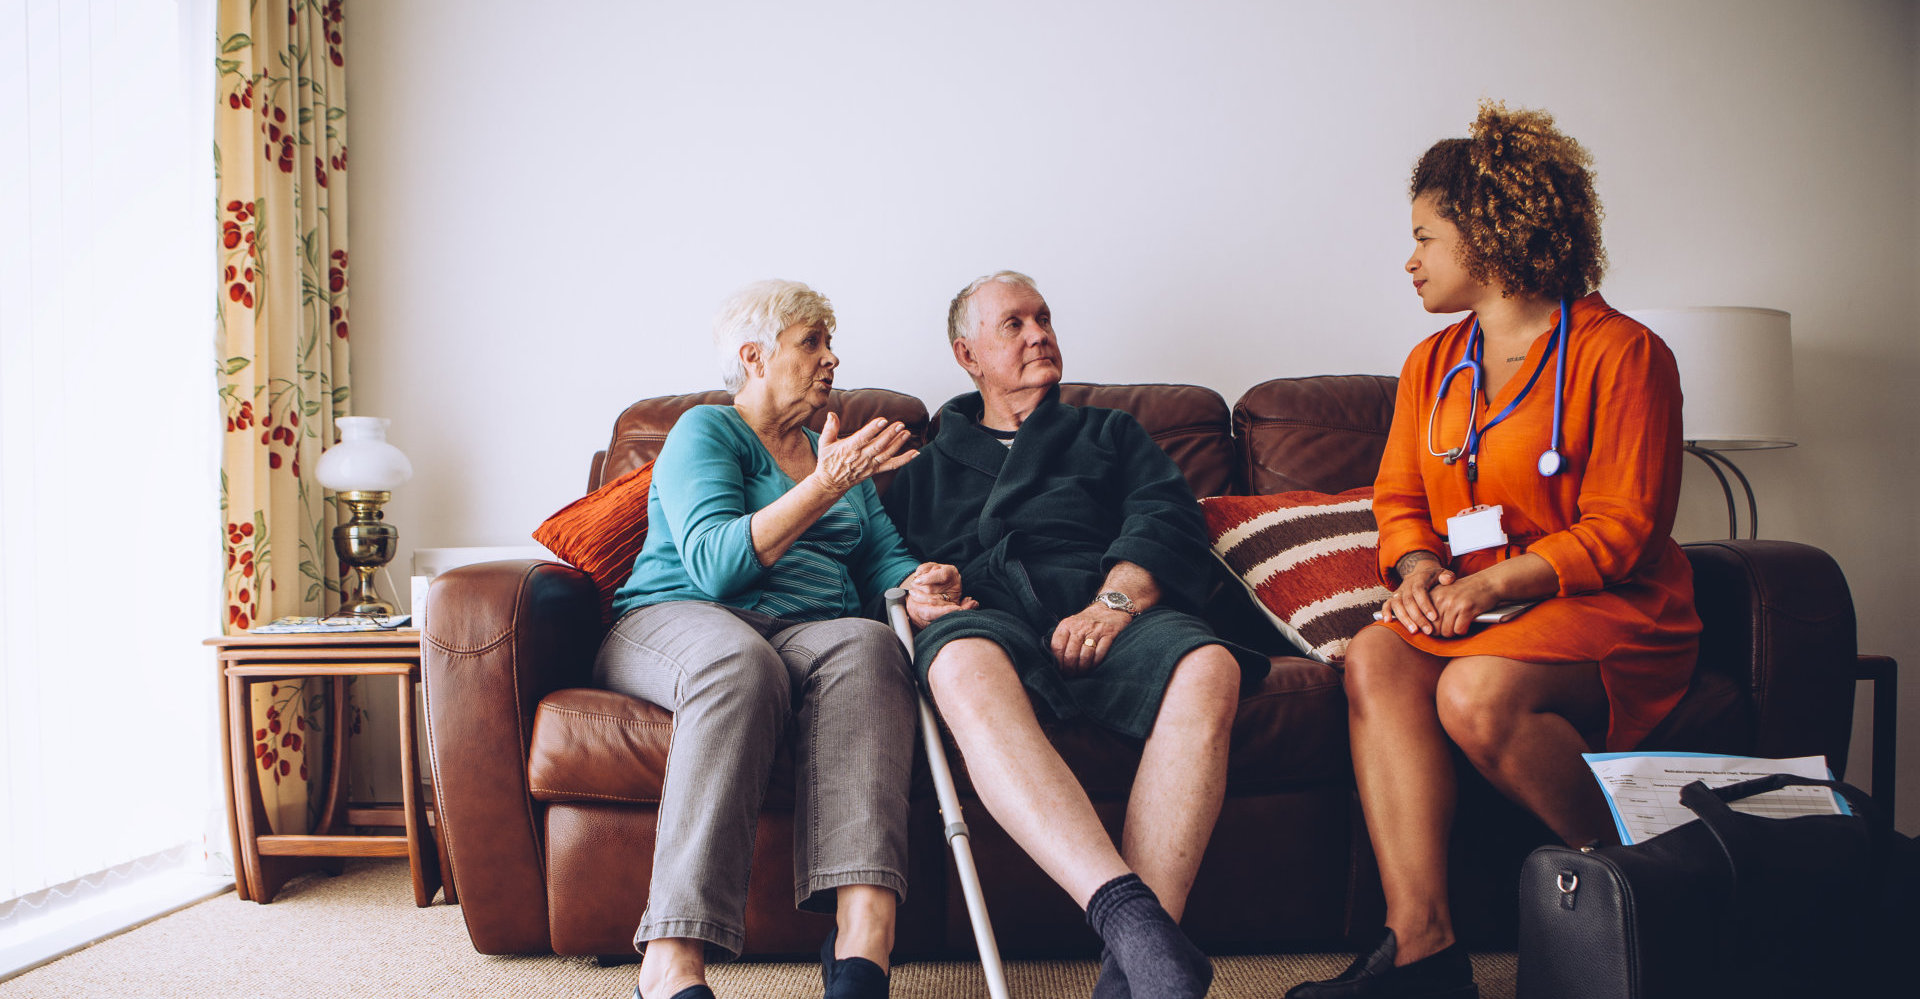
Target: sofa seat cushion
[(599, 745)]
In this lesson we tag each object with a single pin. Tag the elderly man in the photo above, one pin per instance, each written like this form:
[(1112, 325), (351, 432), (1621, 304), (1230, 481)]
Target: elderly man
[(1087, 553)]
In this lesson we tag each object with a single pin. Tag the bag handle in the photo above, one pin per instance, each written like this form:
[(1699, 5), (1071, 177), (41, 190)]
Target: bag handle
[(1712, 804)]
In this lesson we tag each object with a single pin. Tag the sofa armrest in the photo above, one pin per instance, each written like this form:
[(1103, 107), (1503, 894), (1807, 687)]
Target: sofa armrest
[(1779, 618), (502, 635)]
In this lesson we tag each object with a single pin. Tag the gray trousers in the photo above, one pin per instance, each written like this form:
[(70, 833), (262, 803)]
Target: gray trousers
[(737, 683)]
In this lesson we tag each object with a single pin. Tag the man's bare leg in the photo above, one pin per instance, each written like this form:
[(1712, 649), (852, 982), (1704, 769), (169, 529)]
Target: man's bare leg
[(1183, 776), (1032, 793), (1018, 774)]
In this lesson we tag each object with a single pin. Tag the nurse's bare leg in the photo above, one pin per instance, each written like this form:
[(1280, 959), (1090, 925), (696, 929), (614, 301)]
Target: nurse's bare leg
[(1403, 765), (1183, 775), (1524, 725)]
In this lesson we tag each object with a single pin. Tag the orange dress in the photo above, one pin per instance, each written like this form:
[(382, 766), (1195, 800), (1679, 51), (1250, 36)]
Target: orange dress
[(1604, 523)]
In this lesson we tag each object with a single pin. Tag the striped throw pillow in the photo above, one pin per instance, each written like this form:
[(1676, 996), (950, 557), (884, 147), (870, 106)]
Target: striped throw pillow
[(1310, 560)]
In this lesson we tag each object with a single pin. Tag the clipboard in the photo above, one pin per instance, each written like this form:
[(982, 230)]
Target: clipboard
[(1495, 615)]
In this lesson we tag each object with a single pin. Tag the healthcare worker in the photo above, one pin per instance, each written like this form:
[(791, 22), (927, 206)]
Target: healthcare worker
[(1534, 456)]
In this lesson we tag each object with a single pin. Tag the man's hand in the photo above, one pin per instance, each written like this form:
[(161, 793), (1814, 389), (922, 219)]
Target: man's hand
[(1082, 641), (933, 592)]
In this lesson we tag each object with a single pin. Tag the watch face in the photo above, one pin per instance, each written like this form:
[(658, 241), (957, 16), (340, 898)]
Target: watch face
[(1116, 600)]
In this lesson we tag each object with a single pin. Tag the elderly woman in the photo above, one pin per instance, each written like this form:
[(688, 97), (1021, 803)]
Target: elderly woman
[(1550, 473), (742, 618)]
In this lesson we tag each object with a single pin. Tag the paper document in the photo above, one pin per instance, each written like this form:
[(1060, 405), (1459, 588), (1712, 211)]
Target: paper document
[(306, 625), (1643, 789)]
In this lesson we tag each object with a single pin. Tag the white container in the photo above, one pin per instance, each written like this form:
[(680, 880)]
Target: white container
[(430, 562)]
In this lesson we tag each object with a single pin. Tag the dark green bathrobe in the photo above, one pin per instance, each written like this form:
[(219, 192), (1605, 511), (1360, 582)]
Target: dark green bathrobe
[(1034, 530)]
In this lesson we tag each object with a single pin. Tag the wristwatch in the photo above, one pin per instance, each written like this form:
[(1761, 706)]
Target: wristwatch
[(1118, 601)]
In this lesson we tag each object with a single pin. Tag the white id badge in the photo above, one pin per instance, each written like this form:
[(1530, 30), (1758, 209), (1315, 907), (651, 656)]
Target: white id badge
[(1475, 529)]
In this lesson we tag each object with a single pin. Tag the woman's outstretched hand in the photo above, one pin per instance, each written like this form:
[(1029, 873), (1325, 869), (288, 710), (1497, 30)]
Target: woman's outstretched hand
[(843, 463), (933, 592)]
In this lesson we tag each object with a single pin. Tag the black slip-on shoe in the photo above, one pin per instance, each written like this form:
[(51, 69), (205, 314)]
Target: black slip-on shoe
[(1444, 974), (849, 977), (690, 992)]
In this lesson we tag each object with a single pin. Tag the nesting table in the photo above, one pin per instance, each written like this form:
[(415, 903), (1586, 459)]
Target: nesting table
[(262, 860)]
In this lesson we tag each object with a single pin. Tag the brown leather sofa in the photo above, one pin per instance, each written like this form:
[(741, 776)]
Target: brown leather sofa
[(547, 788)]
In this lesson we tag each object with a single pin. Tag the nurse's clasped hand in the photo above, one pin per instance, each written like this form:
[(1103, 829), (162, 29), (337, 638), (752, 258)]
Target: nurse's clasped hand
[(1433, 599)]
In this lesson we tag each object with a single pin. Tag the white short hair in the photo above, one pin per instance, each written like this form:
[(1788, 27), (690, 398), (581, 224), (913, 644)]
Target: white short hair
[(757, 314), (960, 313)]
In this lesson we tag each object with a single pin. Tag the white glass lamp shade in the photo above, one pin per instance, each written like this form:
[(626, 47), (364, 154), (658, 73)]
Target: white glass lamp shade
[(1736, 372), (363, 461)]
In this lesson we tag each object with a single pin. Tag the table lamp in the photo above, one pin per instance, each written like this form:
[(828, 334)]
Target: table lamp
[(363, 470), (1736, 371)]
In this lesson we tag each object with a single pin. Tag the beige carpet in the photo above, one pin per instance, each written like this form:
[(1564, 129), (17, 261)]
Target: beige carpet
[(359, 935)]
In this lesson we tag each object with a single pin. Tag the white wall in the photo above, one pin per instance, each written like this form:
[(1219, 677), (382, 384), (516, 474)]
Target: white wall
[(550, 199)]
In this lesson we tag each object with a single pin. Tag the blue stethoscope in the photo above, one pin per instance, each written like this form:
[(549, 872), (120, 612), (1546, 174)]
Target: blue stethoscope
[(1550, 461)]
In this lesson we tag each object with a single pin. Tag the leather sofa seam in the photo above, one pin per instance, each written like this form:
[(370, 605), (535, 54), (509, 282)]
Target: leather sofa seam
[(577, 713), (535, 789)]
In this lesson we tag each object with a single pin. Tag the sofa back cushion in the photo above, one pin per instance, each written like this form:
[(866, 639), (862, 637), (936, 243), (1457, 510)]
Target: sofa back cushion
[(1325, 433), (1190, 423), (639, 431)]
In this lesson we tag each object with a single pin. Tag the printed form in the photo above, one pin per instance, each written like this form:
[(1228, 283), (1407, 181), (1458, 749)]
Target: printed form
[(1643, 789)]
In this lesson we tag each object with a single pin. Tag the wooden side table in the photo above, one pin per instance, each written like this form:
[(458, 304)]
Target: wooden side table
[(262, 861)]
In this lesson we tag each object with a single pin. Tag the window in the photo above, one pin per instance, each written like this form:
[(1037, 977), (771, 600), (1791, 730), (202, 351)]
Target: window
[(109, 488)]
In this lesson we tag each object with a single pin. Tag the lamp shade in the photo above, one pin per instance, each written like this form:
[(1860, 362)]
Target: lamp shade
[(363, 461), (1736, 372)]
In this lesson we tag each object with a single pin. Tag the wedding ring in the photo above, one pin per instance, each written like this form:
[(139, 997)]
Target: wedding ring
[(1088, 643)]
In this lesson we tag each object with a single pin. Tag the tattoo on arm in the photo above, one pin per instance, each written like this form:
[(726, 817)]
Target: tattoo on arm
[(1411, 561)]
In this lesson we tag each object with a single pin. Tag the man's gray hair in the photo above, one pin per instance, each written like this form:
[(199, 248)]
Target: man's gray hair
[(960, 324), (757, 314)]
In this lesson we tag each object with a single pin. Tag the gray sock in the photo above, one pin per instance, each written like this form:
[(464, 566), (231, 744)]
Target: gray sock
[(1113, 981), (1154, 957)]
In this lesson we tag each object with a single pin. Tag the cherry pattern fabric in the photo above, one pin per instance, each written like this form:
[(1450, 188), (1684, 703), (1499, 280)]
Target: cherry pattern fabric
[(280, 157)]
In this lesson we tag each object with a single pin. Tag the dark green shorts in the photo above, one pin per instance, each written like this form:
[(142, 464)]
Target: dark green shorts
[(1123, 693)]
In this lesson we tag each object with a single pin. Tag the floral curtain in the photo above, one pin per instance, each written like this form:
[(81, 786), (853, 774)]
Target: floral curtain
[(280, 155)]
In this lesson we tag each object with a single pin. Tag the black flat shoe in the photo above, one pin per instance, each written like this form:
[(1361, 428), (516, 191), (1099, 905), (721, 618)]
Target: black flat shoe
[(690, 992), (1444, 974), (848, 977)]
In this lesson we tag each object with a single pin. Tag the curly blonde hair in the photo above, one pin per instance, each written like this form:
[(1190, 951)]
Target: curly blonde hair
[(1521, 194)]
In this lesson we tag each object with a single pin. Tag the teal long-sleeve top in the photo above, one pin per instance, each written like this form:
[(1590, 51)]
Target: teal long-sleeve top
[(710, 477)]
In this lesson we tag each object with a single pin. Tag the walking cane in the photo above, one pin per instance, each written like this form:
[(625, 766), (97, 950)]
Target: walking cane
[(956, 826)]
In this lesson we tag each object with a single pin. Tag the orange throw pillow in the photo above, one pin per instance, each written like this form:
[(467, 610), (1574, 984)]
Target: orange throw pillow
[(601, 533)]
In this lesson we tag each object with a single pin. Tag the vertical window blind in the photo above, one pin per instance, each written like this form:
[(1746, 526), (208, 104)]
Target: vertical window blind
[(109, 519)]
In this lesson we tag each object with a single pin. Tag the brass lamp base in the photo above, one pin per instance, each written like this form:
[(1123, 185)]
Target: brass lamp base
[(365, 543)]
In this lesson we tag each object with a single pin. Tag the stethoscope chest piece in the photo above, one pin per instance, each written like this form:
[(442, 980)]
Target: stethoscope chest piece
[(1551, 462)]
